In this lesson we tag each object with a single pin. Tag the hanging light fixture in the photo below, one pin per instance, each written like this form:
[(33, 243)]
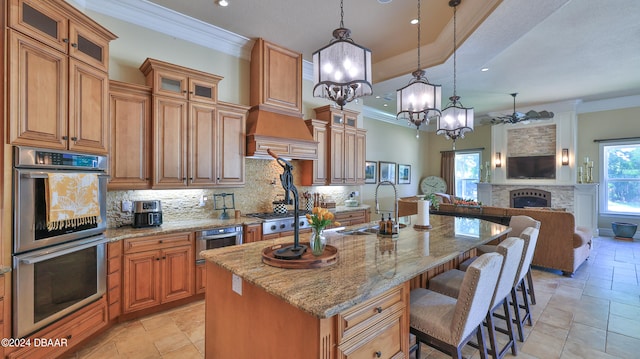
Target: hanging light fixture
[(342, 69), (419, 101), (456, 119)]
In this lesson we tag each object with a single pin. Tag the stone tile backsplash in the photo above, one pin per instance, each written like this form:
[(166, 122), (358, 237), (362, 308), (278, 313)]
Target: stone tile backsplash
[(262, 186)]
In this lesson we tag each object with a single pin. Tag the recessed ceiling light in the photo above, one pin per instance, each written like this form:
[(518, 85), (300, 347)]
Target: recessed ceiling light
[(413, 21), (378, 96), (484, 69), (385, 105), (384, 1), (223, 3)]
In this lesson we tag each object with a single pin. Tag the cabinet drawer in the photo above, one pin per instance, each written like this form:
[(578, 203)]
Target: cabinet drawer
[(384, 340), (354, 217), (357, 319), (134, 245), (74, 329)]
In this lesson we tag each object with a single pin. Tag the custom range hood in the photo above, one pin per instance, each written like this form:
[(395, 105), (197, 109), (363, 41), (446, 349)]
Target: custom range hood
[(275, 118), (285, 134)]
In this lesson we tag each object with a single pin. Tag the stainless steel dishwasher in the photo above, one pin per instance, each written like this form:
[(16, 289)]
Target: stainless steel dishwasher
[(217, 238)]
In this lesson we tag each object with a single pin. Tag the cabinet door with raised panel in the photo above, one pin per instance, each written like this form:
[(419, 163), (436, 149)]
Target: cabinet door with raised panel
[(88, 108), (37, 94), (336, 154), (360, 157), (130, 121), (232, 142), (178, 277), (170, 143), (203, 150), (252, 233), (141, 280), (350, 154)]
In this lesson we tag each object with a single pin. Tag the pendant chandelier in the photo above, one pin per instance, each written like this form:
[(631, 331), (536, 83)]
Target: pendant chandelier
[(419, 101), (342, 69), (456, 119)]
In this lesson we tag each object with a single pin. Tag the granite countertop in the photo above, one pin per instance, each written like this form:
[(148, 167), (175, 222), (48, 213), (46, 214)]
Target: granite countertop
[(117, 234), (120, 233), (367, 265)]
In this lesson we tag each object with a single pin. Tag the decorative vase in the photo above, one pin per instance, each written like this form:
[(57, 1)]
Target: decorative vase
[(624, 230), (317, 242)]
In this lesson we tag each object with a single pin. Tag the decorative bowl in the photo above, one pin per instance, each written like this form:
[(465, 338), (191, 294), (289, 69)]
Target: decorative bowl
[(624, 230), (351, 203)]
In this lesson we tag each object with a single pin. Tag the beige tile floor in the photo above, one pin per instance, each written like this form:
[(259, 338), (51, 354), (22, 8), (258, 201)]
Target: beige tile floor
[(595, 314)]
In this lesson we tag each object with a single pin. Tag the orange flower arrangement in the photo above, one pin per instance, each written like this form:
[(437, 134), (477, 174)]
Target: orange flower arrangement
[(320, 218)]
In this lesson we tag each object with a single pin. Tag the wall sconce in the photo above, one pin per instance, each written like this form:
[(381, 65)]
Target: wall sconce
[(498, 159), (565, 156)]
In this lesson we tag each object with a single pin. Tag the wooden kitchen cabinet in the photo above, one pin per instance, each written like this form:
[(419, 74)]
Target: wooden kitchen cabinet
[(350, 218), (72, 329), (58, 77), (157, 270), (275, 77), (379, 325), (344, 147), (198, 141), (201, 278), (114, 279), (315, 172), (252, 233), (130, 120)]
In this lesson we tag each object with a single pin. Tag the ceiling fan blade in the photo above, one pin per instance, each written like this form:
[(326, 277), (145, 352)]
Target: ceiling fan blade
[(546, 114)]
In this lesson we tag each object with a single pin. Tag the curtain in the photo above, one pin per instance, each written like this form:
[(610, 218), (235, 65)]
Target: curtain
[(447, 171)]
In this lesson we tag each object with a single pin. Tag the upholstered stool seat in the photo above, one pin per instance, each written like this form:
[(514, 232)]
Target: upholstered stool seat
[(446, 323), (449, 283), (518, 224)]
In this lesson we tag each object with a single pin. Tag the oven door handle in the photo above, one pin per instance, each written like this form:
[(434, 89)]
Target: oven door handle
[(33, 175), (49, 255)]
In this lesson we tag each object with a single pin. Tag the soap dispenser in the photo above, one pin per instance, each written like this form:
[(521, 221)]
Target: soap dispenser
[(382, 225), (389, 225)]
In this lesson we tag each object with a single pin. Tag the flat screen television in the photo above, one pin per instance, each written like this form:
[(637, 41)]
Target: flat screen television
[(531, 167)]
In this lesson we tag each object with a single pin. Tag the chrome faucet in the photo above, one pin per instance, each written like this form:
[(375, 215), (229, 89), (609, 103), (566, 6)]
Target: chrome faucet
[(395, 208)]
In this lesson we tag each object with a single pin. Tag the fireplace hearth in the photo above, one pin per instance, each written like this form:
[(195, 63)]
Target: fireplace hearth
[(529, 197)]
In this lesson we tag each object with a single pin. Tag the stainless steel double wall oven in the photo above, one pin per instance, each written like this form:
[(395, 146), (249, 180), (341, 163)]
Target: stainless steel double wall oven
[(55, 272)]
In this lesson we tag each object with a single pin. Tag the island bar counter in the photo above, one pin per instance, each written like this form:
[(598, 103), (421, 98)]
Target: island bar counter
[(356, 307)]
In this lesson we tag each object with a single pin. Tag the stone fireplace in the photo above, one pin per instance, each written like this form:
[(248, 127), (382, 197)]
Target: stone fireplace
[(529, 197)]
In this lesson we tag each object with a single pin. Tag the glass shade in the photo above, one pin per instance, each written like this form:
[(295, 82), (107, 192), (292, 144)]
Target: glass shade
[(455, 121), (342, 71), (419, 101)]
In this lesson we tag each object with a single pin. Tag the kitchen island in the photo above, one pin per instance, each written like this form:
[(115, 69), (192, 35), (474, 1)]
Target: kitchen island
[(357, 306)]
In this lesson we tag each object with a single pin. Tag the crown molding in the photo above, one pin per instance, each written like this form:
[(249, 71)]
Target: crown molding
[(609, 104), (152, 16)]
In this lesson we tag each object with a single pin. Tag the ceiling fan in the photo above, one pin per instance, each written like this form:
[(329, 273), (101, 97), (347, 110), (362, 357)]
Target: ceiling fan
[(517, 117)]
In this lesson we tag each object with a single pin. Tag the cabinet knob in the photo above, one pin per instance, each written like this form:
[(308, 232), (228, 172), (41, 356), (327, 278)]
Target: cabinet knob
[(165, 257), (69, 336), (74, 45), (160, 241), (65, 138), (378, 354), (74, 138), (66, 41), (379, 309), (158, 258)]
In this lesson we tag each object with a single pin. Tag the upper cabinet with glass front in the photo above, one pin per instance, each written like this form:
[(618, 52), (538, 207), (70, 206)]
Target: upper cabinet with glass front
[(172, 80), (65, 29)]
